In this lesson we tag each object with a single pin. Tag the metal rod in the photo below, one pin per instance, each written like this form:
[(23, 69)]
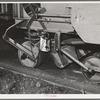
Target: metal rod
[(73, 59), (19, 46), (14, 43), (97, 69), (43, 20), (54, 21), (55, 16)]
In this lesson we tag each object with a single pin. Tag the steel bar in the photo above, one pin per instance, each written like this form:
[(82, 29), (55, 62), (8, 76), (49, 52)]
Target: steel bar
[(53, 21), (18, 46), (73, 59), (54, 16)]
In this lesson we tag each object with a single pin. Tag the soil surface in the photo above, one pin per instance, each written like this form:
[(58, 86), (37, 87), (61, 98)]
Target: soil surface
[(11, 83)]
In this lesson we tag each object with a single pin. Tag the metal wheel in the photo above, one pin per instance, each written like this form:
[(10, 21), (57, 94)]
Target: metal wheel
[(91, 62), (26, 60)]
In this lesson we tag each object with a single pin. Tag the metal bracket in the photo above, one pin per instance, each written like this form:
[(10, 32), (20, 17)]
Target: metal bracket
[(57, 40)]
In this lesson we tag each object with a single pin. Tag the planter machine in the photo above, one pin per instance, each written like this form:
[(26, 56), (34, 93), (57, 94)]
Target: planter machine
[(64, 31)]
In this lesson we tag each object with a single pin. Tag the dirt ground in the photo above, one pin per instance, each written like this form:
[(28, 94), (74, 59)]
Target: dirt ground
[(11, 83)]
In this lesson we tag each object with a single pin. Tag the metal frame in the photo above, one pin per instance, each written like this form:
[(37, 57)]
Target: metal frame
[(56, 39)]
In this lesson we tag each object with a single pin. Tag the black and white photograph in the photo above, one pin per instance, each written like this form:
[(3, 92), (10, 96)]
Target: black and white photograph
[(50, 48)]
